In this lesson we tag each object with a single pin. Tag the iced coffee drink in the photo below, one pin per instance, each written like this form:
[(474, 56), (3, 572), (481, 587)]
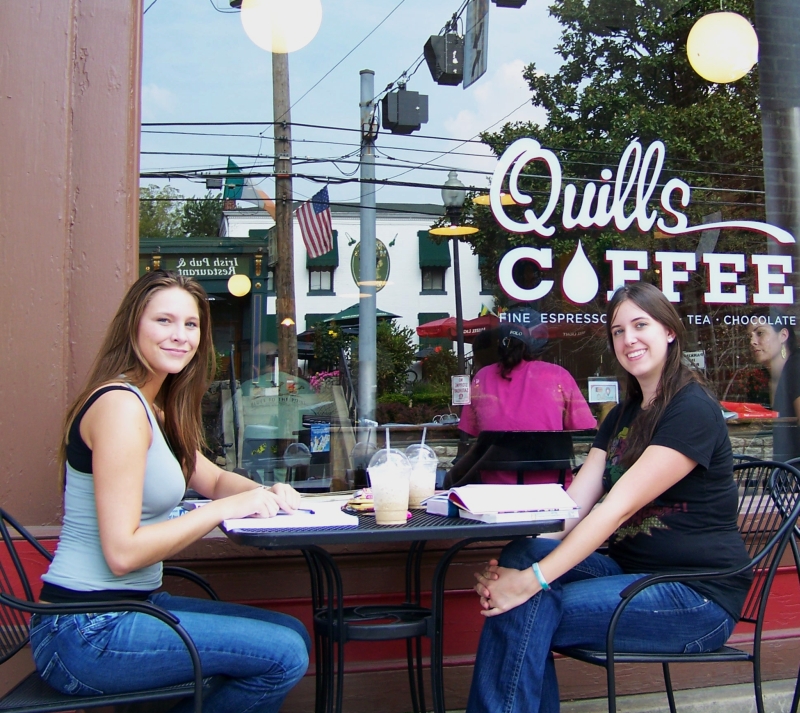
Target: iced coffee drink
[(389, 475), (422, 482)]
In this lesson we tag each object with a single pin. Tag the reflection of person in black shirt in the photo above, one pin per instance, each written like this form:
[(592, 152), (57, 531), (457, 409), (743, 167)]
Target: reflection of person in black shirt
[(774, 346)]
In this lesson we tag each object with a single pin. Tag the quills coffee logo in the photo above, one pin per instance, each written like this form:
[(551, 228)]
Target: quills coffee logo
[(623, 199)]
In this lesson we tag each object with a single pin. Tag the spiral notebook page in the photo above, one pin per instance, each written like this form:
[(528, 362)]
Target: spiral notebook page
[(323, 515)]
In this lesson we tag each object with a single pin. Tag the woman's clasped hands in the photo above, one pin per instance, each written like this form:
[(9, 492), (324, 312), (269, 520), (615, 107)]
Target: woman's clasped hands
[(501, 588)]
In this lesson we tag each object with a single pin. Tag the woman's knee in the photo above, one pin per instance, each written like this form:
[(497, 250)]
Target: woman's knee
[(522, 553)]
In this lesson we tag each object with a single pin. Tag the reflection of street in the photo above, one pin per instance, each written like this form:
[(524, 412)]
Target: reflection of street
[(270, 418)]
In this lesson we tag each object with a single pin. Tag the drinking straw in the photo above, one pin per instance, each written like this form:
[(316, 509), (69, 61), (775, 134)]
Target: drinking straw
[(424, 431), (388, 443)]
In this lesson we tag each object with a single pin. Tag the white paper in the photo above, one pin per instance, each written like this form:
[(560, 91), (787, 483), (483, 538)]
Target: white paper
[(512, 498), (325, 515)]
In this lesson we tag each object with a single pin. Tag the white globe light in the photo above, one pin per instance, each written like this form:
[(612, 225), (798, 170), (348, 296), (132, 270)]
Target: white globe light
[(238, 285), (281, 26), (722, 47)]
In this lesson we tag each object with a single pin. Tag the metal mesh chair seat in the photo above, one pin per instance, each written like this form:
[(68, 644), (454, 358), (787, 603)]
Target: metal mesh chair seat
[(33, 695)]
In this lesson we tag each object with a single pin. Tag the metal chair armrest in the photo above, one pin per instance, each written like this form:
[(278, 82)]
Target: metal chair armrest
[(202, 582)]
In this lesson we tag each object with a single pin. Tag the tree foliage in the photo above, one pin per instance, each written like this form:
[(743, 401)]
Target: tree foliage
[(160, 212), (165, 213), (202, 217), (625, 75)]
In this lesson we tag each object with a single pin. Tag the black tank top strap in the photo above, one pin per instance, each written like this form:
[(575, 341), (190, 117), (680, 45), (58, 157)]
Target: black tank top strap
[(79, 455)]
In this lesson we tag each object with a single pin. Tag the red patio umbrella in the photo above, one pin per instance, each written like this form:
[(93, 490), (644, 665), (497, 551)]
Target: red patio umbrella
[(446, 328)]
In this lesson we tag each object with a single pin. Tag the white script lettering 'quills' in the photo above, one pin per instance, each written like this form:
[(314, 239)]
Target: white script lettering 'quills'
[(634, 171)]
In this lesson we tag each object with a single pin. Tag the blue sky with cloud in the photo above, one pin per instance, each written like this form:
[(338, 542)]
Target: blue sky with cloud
[(199, 65)]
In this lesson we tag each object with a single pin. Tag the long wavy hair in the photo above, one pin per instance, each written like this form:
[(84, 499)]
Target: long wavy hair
[(674, 376), (121, 359)]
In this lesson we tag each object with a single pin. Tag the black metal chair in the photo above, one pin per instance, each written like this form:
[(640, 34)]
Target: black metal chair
[(796, 553), (335, 625), (769, 505), (518, 451), (17, 603)]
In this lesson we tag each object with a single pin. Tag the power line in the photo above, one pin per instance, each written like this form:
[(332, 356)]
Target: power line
[(473, 140), (319, 81)]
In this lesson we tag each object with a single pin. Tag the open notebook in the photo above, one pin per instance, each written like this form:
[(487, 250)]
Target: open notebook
[(513, 503), (323, 515)]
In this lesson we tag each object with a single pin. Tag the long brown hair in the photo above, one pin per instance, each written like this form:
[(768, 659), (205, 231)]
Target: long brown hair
[(675, 374), (120, 359)]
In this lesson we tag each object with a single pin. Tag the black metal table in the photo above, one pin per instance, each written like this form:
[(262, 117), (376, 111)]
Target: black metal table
[(327, 593)]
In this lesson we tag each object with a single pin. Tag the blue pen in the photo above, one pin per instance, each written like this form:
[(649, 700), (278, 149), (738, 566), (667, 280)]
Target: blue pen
[(310, 512)]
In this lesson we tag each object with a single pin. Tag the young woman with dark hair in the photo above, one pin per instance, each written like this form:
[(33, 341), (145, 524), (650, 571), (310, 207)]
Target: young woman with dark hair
[(774, 346), (662, 465), (130, 448)]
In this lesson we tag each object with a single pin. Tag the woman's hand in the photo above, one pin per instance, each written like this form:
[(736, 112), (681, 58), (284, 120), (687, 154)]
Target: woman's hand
[(287, 495), (501, 589), (261, 501)]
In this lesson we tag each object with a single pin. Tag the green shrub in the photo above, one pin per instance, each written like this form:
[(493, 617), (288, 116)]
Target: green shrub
[(440, 366)]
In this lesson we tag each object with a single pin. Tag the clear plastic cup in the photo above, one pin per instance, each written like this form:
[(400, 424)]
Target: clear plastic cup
[(422, 482), (389, 476)]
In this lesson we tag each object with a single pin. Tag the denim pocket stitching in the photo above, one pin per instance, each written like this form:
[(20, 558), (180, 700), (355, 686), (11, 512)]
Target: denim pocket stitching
[(68, 683), (698, 645)]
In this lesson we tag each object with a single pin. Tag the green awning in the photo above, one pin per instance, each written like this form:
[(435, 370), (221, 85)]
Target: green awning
[(329, 259), (433, 254), (351, 315), (315, 318)]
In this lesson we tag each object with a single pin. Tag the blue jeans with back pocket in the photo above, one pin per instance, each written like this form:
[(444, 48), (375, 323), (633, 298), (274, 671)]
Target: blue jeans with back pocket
[(514, 670), (263, 654)]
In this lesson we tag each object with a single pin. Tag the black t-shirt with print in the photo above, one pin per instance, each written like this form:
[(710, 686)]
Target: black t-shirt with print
[(692, 525)]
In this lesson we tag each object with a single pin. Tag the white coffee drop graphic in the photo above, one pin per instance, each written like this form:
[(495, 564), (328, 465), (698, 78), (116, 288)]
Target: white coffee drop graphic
[(580, 282)]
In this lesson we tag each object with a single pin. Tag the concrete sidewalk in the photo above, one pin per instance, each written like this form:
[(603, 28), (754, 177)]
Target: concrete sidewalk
[(720, 699)]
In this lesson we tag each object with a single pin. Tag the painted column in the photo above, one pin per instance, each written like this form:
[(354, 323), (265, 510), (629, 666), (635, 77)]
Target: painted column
[(777, 23)]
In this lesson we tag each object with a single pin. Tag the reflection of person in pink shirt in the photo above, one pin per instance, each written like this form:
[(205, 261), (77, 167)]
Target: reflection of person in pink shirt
[(521, 393)]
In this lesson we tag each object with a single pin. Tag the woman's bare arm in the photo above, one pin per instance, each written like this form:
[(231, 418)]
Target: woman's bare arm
[(586, 490), (117, 430), (658, 469)]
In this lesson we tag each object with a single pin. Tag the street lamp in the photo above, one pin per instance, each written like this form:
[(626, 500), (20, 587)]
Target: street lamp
[(281, 27), (722, 47), (454, 194)]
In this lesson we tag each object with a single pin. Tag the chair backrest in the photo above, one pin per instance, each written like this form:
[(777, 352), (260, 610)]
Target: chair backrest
[(769, 505), (14, 628), (531, 450)]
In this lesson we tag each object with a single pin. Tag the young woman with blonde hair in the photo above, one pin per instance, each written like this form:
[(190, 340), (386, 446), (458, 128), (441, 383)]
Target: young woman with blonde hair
[(130, 448)]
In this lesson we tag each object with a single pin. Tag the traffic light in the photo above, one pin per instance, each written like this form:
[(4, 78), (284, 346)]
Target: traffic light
[(510, 3), (404, 111), (444, 55)]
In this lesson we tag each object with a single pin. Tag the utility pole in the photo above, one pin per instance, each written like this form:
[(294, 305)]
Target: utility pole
[(286, 316), (462, 369), (367, 326)]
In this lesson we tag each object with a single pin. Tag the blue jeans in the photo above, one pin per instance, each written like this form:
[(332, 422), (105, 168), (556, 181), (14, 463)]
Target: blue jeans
[(263, 654), (514, 669)]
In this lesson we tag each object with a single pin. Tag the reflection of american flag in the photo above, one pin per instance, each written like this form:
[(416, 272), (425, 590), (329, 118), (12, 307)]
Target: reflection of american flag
[(314, 217)]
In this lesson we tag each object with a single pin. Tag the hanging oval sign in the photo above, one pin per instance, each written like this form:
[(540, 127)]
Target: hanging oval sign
[(382, 265)]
